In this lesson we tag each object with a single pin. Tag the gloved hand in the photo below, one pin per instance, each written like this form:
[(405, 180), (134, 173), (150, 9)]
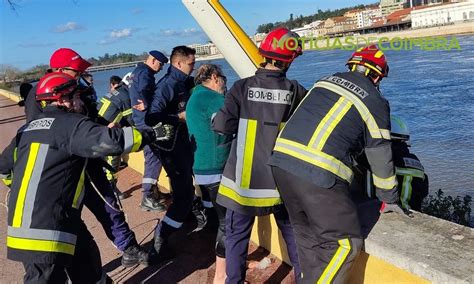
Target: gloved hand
[(395, 207), (163, 132)]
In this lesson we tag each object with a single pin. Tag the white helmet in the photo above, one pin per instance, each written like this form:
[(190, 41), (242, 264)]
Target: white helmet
[(399, 129), (127, 78)]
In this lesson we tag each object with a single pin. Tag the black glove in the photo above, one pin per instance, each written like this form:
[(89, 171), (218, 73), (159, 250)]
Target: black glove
[(163, 132), (395, 207)]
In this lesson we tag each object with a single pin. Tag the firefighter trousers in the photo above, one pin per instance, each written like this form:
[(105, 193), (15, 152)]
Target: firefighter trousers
[(238, 230), (112, 220), (326, 225), (86, 266)]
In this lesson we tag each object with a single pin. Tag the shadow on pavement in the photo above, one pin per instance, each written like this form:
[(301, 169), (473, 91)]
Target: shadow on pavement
[(191, 252)]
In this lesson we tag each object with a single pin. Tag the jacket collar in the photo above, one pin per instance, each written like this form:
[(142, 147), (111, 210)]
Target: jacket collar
[(270, 73), (176, 74), (144, 66)]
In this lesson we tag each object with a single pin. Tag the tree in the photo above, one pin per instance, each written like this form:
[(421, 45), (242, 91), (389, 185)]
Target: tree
[(8, 73)]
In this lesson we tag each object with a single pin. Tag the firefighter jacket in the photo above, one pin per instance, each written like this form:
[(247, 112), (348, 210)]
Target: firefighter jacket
[(142, 87), (413, 185), (341, 116), (47, 187), (7, 160), (116, 106), (254, 110)]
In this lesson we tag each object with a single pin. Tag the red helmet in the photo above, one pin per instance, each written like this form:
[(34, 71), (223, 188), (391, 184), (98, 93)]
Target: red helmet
[(53, 86), (281, 44), (372, 58)]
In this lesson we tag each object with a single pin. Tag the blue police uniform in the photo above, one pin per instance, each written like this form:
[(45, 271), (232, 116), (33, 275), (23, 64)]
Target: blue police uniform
[(142, 87), (171, 96)]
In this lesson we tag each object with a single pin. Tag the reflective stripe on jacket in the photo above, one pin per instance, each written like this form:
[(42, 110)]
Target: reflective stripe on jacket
[(255, 109), (48, 182), (116, 107), (342, 115)]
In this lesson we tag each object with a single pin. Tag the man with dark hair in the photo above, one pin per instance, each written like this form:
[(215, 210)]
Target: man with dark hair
[(168, 106), (141, 90)]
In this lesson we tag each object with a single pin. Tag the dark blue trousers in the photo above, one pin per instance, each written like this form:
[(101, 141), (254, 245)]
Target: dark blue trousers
[(238, 230), (152, 170), (112, 221), (178, 163)]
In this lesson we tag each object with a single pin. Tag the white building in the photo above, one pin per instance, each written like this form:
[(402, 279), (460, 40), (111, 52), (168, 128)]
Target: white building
[(390, 6), (365, 17), (443, 14), (205, 49)]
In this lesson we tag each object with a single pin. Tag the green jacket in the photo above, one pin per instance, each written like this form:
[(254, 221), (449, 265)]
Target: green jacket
[(210, 149)]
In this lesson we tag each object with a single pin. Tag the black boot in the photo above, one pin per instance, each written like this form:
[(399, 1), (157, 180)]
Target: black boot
[(200, 213), (134, 255), (151, 204), (160, 196)]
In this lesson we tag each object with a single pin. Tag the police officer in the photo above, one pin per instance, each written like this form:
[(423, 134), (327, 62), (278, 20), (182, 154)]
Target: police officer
[(113, 221), (255, 109), (116, 107), (141, 89), (342, 114), (413, 185), (45, 231), (168, 106)]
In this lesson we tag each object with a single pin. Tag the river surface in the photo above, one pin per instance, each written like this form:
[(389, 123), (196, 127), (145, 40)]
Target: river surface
[(432, 90)]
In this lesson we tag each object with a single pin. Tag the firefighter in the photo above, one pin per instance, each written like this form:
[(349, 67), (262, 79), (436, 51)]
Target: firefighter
[(168, 106), (254, 110), (413, 185), (116, 107), (342, 115), (141, 90), (45, 231)]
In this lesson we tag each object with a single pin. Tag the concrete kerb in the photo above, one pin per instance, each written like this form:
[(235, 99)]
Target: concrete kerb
[(10, 95), (434, 249)]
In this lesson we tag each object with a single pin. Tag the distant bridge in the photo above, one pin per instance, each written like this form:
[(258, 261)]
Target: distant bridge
[(112, 66)]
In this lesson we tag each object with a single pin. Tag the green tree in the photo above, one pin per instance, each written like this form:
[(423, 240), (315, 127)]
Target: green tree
[(455, 209)]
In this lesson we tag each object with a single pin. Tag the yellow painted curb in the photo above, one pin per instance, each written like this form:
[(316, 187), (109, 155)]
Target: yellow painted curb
[(10, 95)]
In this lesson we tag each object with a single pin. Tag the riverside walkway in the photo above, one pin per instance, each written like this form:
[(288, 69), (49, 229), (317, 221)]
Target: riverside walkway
[(397, 249), (194, 261)]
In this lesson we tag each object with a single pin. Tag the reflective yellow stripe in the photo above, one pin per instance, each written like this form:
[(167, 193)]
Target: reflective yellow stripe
[(385, 183), (127, 112), (137, 140), (405, 195), (15, 154), (118, 118), (248, 153), (312, 156), (248, 201), (7, 181), (20, 202), (328, 123), (409, 172), (40, 245), (79, 190), (104, 107), (240, 36), (336, 262), (364, 112)]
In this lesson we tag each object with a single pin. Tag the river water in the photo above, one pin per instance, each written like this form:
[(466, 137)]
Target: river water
[(432, 90)]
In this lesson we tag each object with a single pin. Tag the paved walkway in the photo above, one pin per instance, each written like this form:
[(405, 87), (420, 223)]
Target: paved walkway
[(194, 261)]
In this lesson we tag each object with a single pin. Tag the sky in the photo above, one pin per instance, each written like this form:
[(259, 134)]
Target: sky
[(35, 28)]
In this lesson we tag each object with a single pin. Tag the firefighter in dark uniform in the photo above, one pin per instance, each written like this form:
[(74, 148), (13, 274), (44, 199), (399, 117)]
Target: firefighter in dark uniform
[(168, 106), (413, 185), (113, 221), (255, 109), (115, 107), (141, 90), (342, 115), (45, 231)]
